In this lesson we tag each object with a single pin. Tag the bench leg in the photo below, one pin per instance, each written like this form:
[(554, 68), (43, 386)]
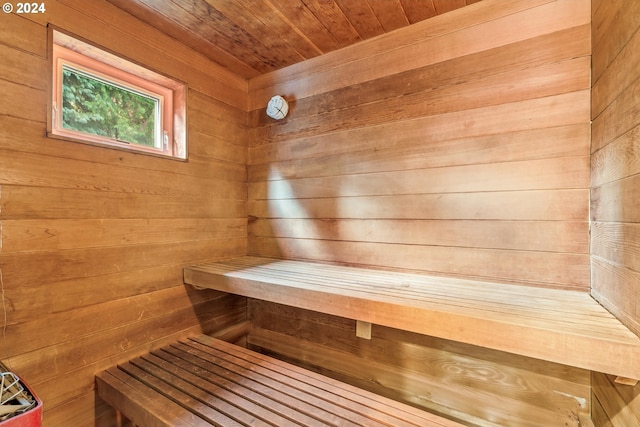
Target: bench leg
[(122, 421)]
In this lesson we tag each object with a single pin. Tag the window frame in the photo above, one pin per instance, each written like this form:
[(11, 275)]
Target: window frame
[(69, 51)]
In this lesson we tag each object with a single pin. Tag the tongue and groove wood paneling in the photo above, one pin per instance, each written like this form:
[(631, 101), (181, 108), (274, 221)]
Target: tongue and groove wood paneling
[(477, 386), (615, 166), (458, 146), (93, 240), (615, 180)]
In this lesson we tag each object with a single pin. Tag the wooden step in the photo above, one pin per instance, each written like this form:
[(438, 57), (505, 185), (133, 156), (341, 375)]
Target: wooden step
[(561, 326), (203, 381)]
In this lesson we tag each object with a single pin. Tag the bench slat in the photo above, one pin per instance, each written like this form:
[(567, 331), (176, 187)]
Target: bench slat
[(282, 411), (283, 393), (142, 404), (324, 403), (566, 327), (203, 381), (181, 393), (180, 382), (386, 410), (574, 307)]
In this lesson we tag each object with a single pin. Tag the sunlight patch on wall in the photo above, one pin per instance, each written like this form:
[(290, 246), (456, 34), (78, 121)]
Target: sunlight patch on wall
[(284, 204)]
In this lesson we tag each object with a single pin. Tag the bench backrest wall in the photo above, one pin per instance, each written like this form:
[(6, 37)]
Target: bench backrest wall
[(458, 147), (615, 211)]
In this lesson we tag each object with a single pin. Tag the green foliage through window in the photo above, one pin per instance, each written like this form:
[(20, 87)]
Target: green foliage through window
[(97, 107)]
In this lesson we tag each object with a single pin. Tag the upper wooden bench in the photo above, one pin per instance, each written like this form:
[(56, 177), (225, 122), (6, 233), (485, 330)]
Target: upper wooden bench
[(203, 381), (560, 326)]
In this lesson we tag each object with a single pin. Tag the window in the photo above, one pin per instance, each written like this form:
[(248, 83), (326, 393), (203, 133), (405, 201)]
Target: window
[(99, 98)]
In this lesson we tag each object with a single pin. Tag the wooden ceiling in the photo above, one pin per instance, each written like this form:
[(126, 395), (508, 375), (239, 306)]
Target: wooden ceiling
[(253, 37)]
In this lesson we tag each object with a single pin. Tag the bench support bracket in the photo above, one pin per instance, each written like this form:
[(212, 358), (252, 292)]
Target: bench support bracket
[(363, 329)]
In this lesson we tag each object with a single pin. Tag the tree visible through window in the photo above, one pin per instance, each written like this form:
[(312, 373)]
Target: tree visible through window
[(101, 99), (100, 108)]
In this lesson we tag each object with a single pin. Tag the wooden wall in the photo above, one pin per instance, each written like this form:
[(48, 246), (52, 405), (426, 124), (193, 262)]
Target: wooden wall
[(458, 146), (94, 240), (615, 180), (477, 386), (615, 208)]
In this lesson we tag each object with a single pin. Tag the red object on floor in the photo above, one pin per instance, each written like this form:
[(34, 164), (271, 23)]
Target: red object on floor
[(31, 418)]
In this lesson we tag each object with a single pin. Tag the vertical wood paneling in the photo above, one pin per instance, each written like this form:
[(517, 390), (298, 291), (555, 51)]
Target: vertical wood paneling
[(385, 136), (615, 180), (93, 240)]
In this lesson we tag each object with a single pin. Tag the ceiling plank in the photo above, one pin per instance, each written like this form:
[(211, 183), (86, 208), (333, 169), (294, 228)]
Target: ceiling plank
[(267, 45), (177, 29), (334, 20), (444, 6), (307, 24), (210, 23), (255, 37), (390, 14), (418, 10), (362, 17), (282, 28)]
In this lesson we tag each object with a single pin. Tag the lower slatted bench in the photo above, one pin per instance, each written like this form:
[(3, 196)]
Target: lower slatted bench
[(561, 326), (202, 381)]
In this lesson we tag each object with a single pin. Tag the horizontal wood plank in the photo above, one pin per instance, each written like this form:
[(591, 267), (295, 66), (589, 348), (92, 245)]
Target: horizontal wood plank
[(565, 327), (21, 34), (561, 173), (621, 116), (24, 202), (74, 293), (443, 135), (618, 76), (38, 170), (410, 146), (615, 184), (96, 233), (47, 235), (213, 156), (49, 359), (544, 269), (551, 236), (617, 242), (505, 23), (463, 385), (82, 322), (617, 160), (617, 288), (533, 205), (619, 402), (385, 101), (88, 262), (434, 124), (609, 202), (88, 21), (613, 27), (20, 66), (70, 379), (422, 354)]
